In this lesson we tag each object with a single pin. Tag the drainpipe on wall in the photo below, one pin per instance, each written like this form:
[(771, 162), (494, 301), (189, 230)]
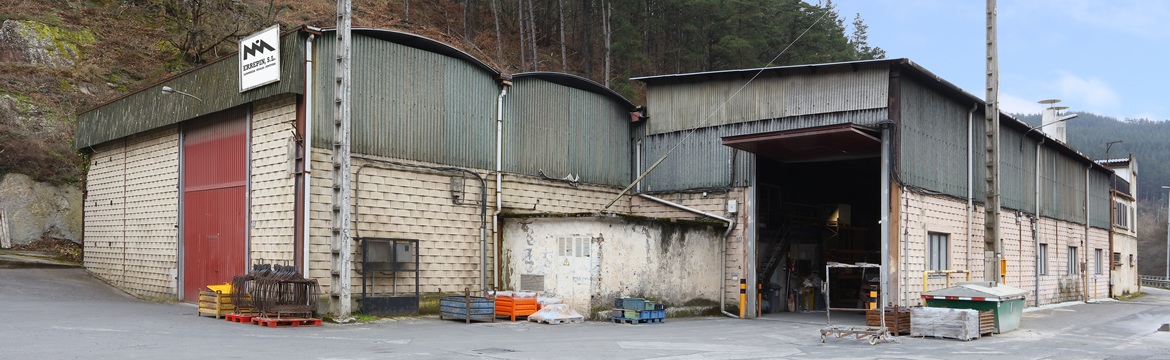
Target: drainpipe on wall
[(1085, 243), (307, 160), (970, 183), (504, 83), (1036, 222)]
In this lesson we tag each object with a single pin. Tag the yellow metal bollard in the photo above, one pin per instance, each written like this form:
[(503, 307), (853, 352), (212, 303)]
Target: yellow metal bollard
[(742, 297)]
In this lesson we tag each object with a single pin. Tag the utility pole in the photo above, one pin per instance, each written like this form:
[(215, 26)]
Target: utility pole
[(339, 244), (991, 243)]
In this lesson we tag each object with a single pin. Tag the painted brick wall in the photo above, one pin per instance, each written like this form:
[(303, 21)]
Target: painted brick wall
[(132, 213), (714, 204), (923, 214), (273, 193), (413, 203)]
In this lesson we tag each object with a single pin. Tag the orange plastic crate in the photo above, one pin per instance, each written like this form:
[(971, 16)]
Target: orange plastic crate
[(513, 306)]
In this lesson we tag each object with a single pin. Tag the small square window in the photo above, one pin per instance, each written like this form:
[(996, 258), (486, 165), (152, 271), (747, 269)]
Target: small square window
[(939, 251)]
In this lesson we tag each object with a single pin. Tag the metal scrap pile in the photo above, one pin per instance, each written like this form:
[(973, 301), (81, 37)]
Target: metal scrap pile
[(276, 289)]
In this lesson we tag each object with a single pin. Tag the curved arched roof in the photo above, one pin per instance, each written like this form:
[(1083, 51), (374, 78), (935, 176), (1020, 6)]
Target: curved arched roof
[(421, 43), (577, 82)]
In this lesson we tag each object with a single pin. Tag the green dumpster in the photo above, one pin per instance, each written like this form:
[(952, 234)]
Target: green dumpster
[(1006, 302)]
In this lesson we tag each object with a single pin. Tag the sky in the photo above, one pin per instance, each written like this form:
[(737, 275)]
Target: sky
[(1104, 57)]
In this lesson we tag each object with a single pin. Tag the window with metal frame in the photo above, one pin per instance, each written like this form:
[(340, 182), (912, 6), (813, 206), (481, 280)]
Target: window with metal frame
[(1043, 259), (939, 251), (1072, 260)]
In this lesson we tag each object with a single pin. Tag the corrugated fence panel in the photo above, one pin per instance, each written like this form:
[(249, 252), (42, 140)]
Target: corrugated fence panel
[(676, 106), (1099, 202), (217, 84), (702, 161), (409, 103)]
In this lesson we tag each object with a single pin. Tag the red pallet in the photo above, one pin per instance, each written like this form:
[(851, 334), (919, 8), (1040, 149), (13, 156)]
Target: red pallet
[(286, 322), (240, 318)]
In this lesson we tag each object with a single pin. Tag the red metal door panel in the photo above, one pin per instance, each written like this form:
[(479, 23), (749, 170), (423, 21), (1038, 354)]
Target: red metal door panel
[(214, 200)]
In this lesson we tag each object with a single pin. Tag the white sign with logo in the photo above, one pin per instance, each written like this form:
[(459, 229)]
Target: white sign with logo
[(260, 59)]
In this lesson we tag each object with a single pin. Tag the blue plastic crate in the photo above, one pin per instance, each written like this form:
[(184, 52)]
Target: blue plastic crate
[(651, 314)]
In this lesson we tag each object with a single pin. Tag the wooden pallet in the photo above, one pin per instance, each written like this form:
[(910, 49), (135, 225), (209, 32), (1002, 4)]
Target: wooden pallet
[(240, 318), (637, 321), (897, 319), (286, 322), (218, 304), (986, 322)]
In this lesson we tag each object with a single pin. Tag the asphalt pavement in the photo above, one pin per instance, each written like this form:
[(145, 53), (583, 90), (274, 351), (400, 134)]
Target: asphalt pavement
[(64, 313)]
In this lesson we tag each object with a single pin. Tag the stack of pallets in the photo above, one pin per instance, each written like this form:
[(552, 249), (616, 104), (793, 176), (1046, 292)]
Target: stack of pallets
[(897, 319), (637, 311)]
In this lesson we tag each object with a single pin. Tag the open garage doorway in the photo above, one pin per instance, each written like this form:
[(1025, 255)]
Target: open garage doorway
[(818, 202)]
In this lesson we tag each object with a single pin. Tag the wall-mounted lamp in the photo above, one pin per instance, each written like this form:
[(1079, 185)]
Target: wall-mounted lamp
[(167, 90)]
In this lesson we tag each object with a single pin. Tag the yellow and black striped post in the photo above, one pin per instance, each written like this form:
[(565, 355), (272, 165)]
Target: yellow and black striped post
[(759, 300), (742, 297)]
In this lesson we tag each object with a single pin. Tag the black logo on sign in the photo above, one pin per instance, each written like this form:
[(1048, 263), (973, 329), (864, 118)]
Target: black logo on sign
[(257, 47)]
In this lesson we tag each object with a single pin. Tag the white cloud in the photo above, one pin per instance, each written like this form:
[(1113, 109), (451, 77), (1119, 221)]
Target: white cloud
[(1091, 94), (1017, 105), (1143, 18)]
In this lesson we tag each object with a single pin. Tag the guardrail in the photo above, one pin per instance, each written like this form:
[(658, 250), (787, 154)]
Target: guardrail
[(926, 275), (1155, 281)]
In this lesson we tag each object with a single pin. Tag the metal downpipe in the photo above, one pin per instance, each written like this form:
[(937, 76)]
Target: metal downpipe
[(499, 178), (970, 182)]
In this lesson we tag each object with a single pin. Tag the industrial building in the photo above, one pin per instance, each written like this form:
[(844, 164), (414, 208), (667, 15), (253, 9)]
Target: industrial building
[(503, 178)]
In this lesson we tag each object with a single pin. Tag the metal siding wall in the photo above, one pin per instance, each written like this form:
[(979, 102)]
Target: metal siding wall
[(563, 130), (701, 161), (1099, 199), (217, 84), (410, 104), (676, 106), (1063, 188), (933, 140), (1018, 170)]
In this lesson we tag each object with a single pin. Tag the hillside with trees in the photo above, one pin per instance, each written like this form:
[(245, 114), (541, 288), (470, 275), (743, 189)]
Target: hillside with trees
[(117, 46)]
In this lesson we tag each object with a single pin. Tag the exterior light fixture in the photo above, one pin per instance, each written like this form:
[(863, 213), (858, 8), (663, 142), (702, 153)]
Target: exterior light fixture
[(1062, 119), (167, 90)]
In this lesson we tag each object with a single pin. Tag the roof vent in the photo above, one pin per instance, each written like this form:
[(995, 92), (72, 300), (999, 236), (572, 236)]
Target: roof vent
[(1050, 115)]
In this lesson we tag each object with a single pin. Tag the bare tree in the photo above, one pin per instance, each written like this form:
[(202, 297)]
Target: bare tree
[(532, 35), (606, 11), (520, 20), (499, 41), (587, 42), (407, 5), (564, 58)]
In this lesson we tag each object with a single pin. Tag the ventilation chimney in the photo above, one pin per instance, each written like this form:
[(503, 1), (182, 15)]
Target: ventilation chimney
[(1050, 114)]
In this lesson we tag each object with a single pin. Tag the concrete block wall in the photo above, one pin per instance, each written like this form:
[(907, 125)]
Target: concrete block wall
[(714, 204), (922, 214), (411, 203), (131, 233), (273, 187)]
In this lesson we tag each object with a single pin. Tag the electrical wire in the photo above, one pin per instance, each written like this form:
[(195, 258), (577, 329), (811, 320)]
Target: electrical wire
[(716, 111)]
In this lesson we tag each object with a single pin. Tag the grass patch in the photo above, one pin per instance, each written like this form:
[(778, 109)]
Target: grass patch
[(1132, 296)]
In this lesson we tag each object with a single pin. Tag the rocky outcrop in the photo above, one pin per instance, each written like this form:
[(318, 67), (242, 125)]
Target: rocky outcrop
[(32, 42), (30, 210)]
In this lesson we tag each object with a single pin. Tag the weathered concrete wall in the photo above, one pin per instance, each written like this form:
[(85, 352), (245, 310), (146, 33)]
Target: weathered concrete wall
[(31, 210), (587, 261), (714, 204), (922, 214), (1125, 275)]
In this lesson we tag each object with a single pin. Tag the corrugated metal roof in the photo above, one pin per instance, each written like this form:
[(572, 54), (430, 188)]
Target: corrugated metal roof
[(421, 43), (578, 82), (216, 83)]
